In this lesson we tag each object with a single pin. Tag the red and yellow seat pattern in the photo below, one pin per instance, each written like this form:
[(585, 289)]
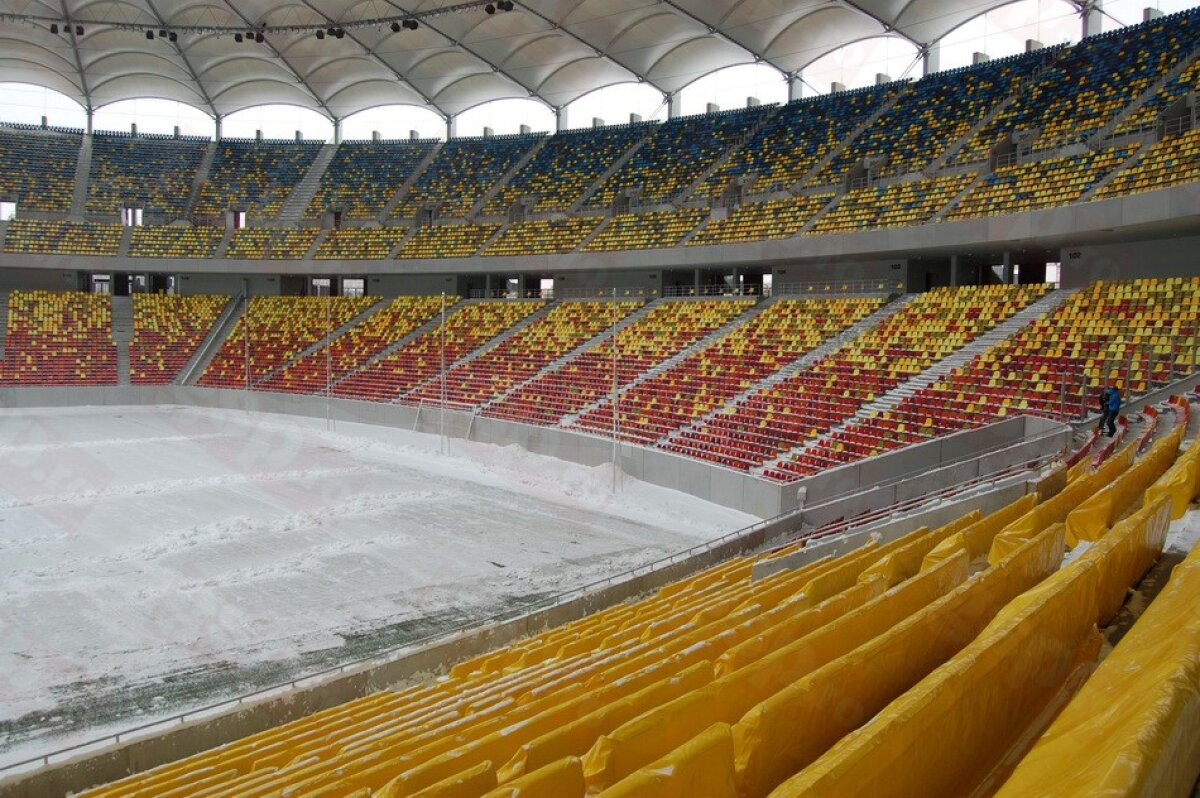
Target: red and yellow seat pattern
[(446, 240), (707, 379), (175, 242), (753, 221), (542, 236), (280, 327), (645, 230), (1138, 334), (666, 329), (468, 327), (891, 206), (360, 243), (518, 358), (812, 401), (350, 351), (35, 236), (59, 338), (167, 330)]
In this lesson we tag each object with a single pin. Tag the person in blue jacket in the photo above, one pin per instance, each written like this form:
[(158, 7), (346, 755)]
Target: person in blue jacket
[(1110, 408)]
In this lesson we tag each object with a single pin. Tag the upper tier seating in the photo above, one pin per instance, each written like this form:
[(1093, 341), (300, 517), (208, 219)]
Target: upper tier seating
[(892, 206), (645, 230), (462, 173), (256, 177), (281, 327), (739, 681), (707, 379), (32, 236), (1055, 368), (488, 375), (1038, 184), (542, 236), (360, 243), (271, 243), (752, 221), (175, 242), (937, 111), (667, 329), (470, 326), (446, 240), (794, 140), (349, 352), (678, 152), (567, 166), (1171, 161), (1146, 116), (167, 330), (364, 175), (38, 169), (1086, 85), (826, 393), (155, 175), (59, 338)]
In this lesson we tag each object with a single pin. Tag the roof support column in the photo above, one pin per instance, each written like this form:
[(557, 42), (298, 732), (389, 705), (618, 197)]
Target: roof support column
[(337, 131), (1092, 12), (931, 58), (91, 117), (217, 128), (560, 119), (674, 105), (451, 127), (795, 84)]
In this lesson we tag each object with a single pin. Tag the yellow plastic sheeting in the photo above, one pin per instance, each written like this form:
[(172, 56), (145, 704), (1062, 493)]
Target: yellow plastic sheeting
[(647, 737), (804, 621), (1133, 731), (1181, 483), (978, 536), (847, 568), (561, 779), (1056, 509), (1080, 469), (701, 768), (471, 783), (575, 738), (1126, 553), (905, 561), (793, 728), (947, 734), (1094, 516), (1053, 483)]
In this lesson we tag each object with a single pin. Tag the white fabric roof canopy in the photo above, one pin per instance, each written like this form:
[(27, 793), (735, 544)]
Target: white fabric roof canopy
[(551, 50)]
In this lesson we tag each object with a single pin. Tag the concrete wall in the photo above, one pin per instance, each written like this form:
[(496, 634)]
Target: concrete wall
[(1126, 260), (45, 279)]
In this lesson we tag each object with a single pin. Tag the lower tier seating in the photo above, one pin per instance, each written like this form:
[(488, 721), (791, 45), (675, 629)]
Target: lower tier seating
[(59, 338), (167, 330)]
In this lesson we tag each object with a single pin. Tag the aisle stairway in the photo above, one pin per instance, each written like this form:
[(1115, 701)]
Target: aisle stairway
[(122, 334), (294, 208)]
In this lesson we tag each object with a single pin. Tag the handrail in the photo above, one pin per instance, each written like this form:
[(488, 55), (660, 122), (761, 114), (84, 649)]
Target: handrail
[(838, 287), (391, 654)]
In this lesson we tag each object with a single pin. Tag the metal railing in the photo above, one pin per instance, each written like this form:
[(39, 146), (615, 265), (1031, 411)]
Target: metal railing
[(626, 292), (712, 290), (392, 654), (838, 287)]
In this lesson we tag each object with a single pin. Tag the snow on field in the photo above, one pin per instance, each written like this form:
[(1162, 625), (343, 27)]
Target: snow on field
[(154, 559)]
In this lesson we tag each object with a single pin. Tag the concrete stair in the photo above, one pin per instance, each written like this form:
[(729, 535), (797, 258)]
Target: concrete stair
[(1096, 139), (225, 322), (83, 172), (606, 335), (202, 171), (408, 183), (122, 334), (680, 356), (404, 341), (326, 339), (613, 168), (488, 346), (126, 240), (295, 207), (957, 198), (943, 367), (849, 139), (1107, 178), (499, 185), (223, 245), (826, 347), (724, 158)]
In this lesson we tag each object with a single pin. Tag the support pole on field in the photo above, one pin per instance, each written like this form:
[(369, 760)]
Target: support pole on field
[(246, 343), (328, 354), (615, 409), (442, 444)]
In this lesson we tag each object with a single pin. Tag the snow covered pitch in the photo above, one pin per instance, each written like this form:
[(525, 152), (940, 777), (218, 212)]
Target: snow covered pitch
[(156, 559)]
